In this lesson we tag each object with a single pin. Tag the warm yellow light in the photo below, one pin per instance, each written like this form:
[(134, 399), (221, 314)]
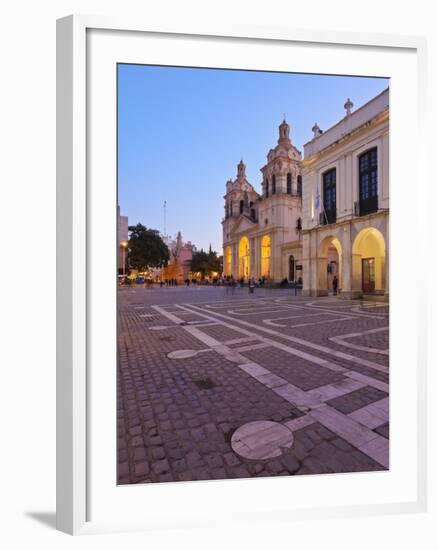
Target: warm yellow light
[(124, 244)]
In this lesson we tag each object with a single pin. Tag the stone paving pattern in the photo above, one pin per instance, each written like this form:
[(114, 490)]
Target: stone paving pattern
[(299, 372), (175, 418), (356, 399)]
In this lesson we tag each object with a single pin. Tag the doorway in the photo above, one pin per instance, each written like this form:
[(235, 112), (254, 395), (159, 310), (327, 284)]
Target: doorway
[(368, 275)]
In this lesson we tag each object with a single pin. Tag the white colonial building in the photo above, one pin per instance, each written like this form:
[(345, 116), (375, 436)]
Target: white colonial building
[(262, 232), (346, 203)]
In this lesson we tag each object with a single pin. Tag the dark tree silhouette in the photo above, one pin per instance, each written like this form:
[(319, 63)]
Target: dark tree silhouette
[(206, 262), (146, 248)]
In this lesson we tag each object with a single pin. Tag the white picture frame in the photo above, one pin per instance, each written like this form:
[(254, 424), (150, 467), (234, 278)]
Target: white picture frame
[(76, 212)]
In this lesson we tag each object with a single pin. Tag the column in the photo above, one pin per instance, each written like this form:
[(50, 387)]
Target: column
[(346, 267), (386, 260), (275, 257), (252, 257), (257, 257), (305, 273), (234, 261)]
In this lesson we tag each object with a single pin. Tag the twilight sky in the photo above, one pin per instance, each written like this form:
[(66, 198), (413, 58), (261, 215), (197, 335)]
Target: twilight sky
[(181, 133)]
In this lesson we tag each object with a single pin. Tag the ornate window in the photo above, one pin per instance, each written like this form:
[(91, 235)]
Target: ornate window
[(289, 184), (266, 188), (368, 182), (241, 207), (329, 196), (299, 186), (273, 185)]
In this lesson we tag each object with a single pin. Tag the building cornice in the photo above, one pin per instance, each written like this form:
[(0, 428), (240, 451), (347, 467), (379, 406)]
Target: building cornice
[(382, 212), (380, 119), (289, 196)]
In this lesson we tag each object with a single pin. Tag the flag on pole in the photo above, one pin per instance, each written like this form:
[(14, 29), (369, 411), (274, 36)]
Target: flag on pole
[(317, 198)]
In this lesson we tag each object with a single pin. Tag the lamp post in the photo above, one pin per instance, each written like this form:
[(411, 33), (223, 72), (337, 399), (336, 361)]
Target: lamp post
[(124, 246)]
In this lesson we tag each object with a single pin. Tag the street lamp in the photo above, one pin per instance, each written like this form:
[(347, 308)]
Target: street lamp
[(124, 246)]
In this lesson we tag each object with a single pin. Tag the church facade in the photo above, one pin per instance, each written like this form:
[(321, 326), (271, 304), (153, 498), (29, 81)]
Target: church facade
[(262, 231)]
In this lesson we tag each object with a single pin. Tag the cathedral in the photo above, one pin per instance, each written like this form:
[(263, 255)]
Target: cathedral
[(262, 232)]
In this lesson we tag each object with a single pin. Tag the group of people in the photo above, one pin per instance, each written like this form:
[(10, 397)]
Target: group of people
[(168, 282), (231, 283)]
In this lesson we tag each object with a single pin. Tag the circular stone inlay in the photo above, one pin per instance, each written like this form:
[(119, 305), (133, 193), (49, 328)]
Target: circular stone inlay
[(182, 354), (261, 439)]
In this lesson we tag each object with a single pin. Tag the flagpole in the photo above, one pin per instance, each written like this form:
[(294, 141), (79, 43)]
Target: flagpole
[(317, 204)]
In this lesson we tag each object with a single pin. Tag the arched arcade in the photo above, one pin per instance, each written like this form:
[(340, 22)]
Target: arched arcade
[(329, 264)]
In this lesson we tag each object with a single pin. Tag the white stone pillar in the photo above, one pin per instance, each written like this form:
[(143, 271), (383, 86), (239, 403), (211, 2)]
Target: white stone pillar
[(252, 257), (275, 257), (386, 272), (235, 261), (356, 275), (305, 273), (321, 275), (257, 258), (346, 267)]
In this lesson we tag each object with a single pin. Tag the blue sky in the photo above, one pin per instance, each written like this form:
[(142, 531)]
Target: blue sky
[(182, 131)]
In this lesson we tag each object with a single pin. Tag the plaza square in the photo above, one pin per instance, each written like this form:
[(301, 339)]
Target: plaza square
[(214, 385)]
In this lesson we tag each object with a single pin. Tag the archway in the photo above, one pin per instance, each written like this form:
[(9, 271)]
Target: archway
[(329, 265), (368, 259), (266, 257), (227, 261), (244, 258)]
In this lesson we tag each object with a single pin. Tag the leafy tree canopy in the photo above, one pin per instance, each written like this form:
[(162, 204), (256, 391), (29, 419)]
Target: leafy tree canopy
[(206, 262), (146, 248)]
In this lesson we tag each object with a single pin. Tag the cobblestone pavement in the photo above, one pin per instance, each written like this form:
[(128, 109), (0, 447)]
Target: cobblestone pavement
[(207, 379)]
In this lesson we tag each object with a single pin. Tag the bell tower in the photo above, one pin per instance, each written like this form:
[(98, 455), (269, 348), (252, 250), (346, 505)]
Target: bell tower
[(280, 207), (284, 134), (240, 205), (241, 170)]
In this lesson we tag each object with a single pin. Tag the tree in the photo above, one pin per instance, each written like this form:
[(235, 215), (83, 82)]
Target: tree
[(200, 263), (146, 248), (205, 262), (214, 263)]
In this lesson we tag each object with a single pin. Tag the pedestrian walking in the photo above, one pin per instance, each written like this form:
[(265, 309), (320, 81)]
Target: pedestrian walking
[(251, 286), (335, 286)]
